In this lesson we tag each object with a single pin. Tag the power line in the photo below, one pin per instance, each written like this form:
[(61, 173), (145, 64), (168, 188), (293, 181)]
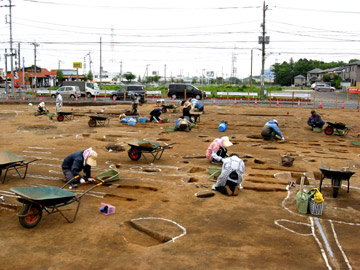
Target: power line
[(318, 10)]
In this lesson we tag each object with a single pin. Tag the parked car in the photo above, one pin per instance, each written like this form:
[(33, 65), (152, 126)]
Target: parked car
[(73, 91), (128, 89), (177, 90), (323, 87)]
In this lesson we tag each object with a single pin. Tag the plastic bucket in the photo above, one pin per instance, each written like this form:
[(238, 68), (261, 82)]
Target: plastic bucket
[(222, 127), (142, 120), (176, 123)]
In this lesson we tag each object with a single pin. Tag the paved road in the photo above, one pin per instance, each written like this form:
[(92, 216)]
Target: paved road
[(327, 99)]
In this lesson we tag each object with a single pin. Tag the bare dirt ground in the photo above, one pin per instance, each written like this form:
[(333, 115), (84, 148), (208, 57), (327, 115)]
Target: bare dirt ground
[(259, 229)]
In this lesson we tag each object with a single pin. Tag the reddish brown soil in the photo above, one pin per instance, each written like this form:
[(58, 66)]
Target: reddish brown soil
[(221, 232)]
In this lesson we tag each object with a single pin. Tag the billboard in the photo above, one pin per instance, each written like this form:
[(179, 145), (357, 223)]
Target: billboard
[(77, 64), (210, 74), (353, 90)]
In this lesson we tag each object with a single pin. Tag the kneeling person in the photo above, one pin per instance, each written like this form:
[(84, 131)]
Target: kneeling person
[(271, 130), (230, 179), (76, 162)]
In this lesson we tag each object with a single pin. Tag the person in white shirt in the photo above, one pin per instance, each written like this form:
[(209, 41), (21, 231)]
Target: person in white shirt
[(230, 179), (59, 102)]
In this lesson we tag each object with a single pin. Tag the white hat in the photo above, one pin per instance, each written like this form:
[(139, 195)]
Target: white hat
[(226, 142), (275, 121), (91, 160)]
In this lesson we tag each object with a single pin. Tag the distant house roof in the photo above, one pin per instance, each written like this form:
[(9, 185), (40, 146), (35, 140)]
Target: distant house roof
[(316, 70), (300, 77), (354, 63), (329, 70)]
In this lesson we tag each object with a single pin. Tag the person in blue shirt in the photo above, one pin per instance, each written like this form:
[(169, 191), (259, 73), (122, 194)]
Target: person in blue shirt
[(315, 120), (77, 162), (196, 104), (271, 130)]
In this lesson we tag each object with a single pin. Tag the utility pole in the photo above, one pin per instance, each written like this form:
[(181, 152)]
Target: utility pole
[(251, 68), (23, 72), (35, 45), (100, 64), (120, 70), (6, 84), (19, 66), (263, 40), (11, 48), (165, 73)]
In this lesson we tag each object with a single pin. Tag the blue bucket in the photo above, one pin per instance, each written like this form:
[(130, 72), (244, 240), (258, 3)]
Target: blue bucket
[(222, 127), (142, 120), (176, 123)]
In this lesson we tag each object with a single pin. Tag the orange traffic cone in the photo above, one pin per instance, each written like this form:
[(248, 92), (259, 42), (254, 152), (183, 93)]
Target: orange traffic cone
[(41, 99), (298, 103), (277, 103), (343, 105), (255, 102), (214, 102), (76, 99), (235, 101), (173, 101), (7, 98), (95, 99), (320, 105), (23, 98), (153, 101), (114, 98)]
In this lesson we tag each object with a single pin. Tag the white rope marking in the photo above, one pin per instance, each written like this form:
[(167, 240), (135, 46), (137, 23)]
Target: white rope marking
[(319, 244), (339, 246), (294, 222), (168, 220), (46, 164), (43, 148), (44, 158), (38, 152), (40, 177), (318, 225)]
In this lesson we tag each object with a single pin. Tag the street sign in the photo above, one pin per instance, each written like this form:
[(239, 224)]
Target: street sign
[(77, 64)]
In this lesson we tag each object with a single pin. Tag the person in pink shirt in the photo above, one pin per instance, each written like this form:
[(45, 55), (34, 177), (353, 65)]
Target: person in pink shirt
[(218, 149)]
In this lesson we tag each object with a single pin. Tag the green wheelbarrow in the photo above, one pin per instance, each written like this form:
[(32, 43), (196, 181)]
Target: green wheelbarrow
[(50, 199)]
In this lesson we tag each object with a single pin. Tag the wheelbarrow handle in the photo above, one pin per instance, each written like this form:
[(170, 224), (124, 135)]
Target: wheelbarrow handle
[(68, 182), (168, 145)]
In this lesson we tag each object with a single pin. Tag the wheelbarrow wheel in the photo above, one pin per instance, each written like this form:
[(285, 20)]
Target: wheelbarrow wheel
[(92, 123), (134, 154), (329, 130), (33, 216), (164, 110), (60, 118), (335, 192)]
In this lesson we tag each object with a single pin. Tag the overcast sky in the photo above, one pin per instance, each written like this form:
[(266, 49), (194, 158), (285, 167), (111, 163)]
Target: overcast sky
[(189, 37)]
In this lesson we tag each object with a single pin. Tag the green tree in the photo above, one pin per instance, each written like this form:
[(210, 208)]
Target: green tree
[(139, 78), (59, 75), (326, 78), (89, 76), (194, 80), (129, 76), (156, 78), (353, 60)]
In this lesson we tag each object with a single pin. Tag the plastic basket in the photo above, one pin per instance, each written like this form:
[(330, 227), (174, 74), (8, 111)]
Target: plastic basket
[(108, 176), (302, 202), (315, 208), (316, 129), (142, 120), (170, 129), (107, 209)]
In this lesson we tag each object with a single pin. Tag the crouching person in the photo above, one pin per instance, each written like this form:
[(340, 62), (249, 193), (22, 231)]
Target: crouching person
[(155, 115), (230, 179), (77, 162), (184, 124)]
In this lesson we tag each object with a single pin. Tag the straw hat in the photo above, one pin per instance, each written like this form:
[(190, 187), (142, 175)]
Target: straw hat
[(226, 142), (92, 159), (187, 104)]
